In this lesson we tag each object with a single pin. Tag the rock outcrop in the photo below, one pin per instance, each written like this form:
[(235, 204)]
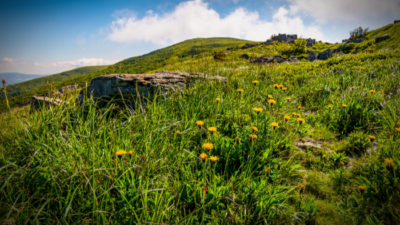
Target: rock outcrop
[(273, 59), (131, 86), (248, 45), (382, 38), (311, 56), (325, 54), (289, 38), (310, 42), (39, 101)]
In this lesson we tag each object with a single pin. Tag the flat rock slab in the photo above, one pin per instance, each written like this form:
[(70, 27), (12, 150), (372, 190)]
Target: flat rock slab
[(131, 86), (39, 101)]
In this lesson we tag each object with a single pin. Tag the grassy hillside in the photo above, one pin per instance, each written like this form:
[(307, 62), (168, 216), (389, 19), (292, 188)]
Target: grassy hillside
[(13, 78), (299, 143)]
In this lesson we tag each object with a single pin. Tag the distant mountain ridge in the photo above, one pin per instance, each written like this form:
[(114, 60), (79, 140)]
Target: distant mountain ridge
[(13, 77)]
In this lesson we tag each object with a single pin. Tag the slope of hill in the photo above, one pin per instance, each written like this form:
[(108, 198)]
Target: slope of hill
[(13, 78), (290, 143)]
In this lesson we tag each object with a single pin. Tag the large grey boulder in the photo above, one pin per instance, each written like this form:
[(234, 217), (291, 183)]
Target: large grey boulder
[(311, 56), (131, 86)]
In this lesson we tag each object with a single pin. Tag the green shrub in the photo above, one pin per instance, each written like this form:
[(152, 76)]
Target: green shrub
[(357, 143)]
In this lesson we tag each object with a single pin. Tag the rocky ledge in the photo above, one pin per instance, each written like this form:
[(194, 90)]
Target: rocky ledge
[(130, 86)]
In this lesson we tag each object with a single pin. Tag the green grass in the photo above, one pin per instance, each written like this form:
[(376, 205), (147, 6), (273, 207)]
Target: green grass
[(60, 164)]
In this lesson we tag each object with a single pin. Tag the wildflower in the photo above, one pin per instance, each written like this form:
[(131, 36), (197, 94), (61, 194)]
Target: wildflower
[(3, 81), (371, 137), (372, 91), (253, 137), (284, 89), (237, 139), (178, 132), (120, 153), (274, 125), (270, 96), (389, 162), (276, 86), (208, 146), (130, 152), (214, 158), (397, 129), (286, 118), (218, 100), (254, 129), (257, 110), (344, 105), (280, 86), (199, 123), (272, 102), (212, 129), (299, 107), (255, 82), (342, 163), (295, 114), (361, 188), (268, 169), (301, 120), (240, 91), (302, 187), (288, 99), (329, 106), (203, 156)]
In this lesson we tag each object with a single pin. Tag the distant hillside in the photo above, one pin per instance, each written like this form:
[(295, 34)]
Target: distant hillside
[(13, 78), (35, 84)]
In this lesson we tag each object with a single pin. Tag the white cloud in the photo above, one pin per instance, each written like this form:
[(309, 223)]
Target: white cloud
[(194, 18), (8, 60), (50, 67), (346, 10)]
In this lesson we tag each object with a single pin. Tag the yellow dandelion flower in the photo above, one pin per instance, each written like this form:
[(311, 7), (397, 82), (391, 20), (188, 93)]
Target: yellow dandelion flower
[(295, 114), (214, 158), (299, 107), (218, 100), (208, 146), (286, 118), (255, 82), (274, 125), (272, 102), (199, 123), (203, 156), (253, 137), (302, 187), (372, 91), (212, 129), (237, 139), (342, 163), (120, 153), (270, 96), (301, 120), (288, 99), (344, 105), (257, 110), (178, 132), (389, 162), (361, 188), (130, 152), (329, 106), (397, 129), (276, 86), (371, 137), (280, 86), (254, 129), (240, 91), (284, 89)]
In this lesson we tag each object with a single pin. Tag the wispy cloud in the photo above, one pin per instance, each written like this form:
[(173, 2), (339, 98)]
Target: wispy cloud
[(331, 11), (195, 18), (8, 60)]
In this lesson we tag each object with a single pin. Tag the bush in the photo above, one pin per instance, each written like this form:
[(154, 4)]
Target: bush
[(358, 143), (359, 32)]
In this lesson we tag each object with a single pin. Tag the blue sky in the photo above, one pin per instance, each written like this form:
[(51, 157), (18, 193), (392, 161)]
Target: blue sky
[(49, 36)]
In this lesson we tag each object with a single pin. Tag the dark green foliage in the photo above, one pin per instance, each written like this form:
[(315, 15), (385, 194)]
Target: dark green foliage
[(359, 32)]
